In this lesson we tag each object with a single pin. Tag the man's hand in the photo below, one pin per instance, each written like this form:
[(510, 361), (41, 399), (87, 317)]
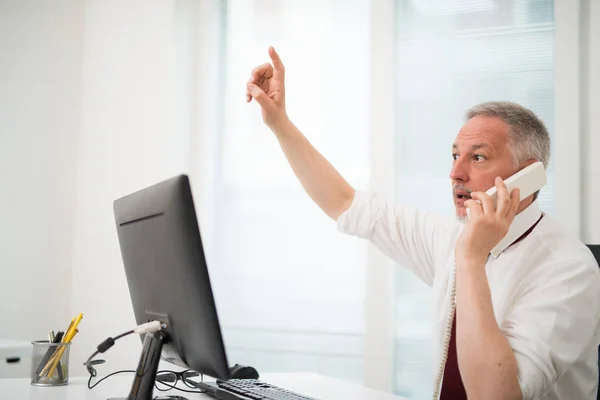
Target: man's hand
[(266, 86), (486, 226), (486, 361), (318, 177)]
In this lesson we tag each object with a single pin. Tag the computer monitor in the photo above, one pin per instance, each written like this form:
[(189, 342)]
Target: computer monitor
[(168, 278)]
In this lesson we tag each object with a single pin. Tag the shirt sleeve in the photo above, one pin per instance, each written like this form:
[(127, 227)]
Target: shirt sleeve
[(412, 238), (554, 324)]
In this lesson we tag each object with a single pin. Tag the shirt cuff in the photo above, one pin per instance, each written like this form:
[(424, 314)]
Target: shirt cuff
[(534, 372)]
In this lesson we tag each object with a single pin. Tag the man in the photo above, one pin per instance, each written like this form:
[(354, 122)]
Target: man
[(526, 321)]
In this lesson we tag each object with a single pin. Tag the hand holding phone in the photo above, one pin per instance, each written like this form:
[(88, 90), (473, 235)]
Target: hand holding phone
[(529, 180)]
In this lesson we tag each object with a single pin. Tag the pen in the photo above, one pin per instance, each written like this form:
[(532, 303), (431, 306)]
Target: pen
[(60, 372), (67, 339), (70, 326), (52, 338)]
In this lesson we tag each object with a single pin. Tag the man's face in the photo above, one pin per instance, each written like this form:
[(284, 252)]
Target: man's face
[(480, 153)]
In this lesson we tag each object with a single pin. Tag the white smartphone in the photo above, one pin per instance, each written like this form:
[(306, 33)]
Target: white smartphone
[(530, 179)]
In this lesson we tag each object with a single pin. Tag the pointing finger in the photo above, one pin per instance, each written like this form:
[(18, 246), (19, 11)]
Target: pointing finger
[(277, 64)]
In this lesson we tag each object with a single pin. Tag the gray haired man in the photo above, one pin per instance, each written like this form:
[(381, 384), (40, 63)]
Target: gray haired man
[(517, 298)]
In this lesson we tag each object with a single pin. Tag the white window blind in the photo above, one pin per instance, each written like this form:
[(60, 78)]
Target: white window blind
[(451, 55)]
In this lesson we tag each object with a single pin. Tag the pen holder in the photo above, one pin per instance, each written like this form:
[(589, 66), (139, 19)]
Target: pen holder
[(50, 363)]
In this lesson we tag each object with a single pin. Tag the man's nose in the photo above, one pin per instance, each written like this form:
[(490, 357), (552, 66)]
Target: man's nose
[(460, 170)]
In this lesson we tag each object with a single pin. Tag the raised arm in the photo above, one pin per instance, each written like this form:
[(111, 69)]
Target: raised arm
[(325, 186)]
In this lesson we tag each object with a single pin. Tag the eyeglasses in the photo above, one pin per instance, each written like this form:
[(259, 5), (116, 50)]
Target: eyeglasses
[(166, 380)]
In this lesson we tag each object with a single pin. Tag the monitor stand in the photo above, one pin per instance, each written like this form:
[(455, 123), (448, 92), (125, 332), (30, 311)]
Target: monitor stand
[(145, 374)]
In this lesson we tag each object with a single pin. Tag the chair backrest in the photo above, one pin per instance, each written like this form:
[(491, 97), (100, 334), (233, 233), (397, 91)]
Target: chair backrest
[(595, 248)]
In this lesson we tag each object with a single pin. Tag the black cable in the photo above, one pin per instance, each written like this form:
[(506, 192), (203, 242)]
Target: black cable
[(123, 334), (102, 347), (107, 344), (89, 361), (106, 377)]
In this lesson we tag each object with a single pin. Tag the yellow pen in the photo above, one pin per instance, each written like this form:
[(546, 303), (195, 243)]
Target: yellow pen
[(56, 359), (71, 330), (68, 329), (67, 339), (50, 362), (75, 325)]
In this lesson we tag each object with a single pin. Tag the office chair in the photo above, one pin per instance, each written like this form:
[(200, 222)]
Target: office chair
[(595, 248)]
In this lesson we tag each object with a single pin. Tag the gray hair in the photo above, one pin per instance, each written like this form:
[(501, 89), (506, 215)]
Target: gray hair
[(529, 137)]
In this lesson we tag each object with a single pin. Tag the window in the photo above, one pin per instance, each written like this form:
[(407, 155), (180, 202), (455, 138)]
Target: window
[(450, 56), (289, 287)]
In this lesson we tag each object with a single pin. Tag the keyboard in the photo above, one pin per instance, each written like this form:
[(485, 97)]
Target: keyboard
[(257, 390)]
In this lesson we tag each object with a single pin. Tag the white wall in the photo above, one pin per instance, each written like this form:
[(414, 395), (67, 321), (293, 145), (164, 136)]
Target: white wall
[(95, 102), (132, 135), (40, 69)]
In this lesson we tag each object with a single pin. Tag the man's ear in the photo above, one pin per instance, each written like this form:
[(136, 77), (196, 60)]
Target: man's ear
[(527, 163)]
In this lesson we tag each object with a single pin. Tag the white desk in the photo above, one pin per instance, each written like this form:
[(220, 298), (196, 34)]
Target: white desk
[(313, 385)]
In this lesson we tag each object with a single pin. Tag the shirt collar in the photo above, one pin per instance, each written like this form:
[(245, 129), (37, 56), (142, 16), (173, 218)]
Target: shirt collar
[(522, 222)]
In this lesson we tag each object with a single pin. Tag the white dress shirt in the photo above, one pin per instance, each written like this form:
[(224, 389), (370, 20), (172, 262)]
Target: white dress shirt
[(545, 288)]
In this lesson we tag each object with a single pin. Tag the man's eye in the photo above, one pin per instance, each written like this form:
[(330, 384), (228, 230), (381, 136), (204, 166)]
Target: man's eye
[(478, 157), (454, 156)]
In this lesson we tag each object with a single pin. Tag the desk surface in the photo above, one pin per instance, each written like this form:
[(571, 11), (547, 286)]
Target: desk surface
[(318, 386)]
